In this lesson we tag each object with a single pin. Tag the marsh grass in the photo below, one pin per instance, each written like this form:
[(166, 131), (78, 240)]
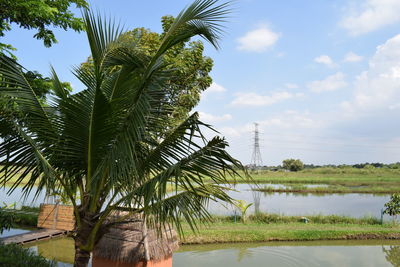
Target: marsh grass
[(228, 232), (343, 188)]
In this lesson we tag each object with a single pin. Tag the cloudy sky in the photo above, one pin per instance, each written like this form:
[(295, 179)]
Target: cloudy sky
[(322, 78)]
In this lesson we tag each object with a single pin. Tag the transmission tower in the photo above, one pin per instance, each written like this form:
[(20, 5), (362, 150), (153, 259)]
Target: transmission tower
[(256, 161)]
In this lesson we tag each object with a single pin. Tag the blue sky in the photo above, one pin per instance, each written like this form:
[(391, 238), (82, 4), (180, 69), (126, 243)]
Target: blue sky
[(322, 78)]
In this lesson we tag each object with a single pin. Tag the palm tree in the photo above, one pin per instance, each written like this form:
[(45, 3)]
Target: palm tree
[(110, 145)]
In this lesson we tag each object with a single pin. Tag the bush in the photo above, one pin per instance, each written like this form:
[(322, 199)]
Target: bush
[(17, 256), (25, 219), (6, 220), (293, 165)]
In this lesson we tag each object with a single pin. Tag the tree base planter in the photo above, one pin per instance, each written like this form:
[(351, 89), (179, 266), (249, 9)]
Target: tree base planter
[(100, 262), (133, 244)]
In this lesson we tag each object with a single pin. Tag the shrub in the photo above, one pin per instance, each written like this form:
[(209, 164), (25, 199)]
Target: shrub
[(393, 206), (17, 256), (293, 165)]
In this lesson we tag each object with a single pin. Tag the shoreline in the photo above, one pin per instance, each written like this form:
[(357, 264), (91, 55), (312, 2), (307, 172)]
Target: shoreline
[(235, 233)]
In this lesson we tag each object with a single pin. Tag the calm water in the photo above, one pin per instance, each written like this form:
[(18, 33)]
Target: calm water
[(14, 231), (355, 205), (19, 200), (282, 254)]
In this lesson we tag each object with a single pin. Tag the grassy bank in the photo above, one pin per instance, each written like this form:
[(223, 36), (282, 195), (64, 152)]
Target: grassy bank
[(228, 232), (325, 175), (343, 176), (274, 227), (332, 189)]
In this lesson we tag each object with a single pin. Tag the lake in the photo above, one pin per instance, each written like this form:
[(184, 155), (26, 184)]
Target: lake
[(355, 205), (280, 254)]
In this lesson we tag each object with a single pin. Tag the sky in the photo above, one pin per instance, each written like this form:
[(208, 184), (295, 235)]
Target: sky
[(321, 78)]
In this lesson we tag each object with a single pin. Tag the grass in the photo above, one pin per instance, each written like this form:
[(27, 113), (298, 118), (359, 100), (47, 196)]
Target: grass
[(229, 232), (334, 188), (348, 176), (328, 175), (274, 227)]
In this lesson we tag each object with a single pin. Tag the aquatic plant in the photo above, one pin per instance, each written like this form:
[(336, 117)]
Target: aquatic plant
[(243, 207)]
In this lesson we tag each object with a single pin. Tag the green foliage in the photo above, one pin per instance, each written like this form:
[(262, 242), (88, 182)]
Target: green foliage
[(6, 220), (316, 219), (25, 219), (42, 86), (293, 165), (392, 254), (107, 145), (17, 256), (189, 69), (41, 15), (392, 207), (243, 207)]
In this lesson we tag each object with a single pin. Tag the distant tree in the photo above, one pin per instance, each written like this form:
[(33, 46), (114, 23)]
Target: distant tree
[(293, 165), (392, 207), (369, 166), (394, 165), (41, 15)]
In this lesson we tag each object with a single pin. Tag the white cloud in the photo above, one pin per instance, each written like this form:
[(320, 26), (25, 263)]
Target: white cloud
[(330, 83), (378, 87), (326, 60), (352, 57), (253, 99), (214, 88), (371, 15), (394, 106), (291, 119), (291, 86), (258, 40), (209, 118)]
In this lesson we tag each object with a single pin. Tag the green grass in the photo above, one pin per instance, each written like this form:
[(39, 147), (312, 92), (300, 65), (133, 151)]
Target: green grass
[(335, 188), (344, 176), (274, 227), (228, 232)]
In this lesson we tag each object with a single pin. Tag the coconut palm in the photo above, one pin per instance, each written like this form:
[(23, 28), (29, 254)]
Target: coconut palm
[(110, 145)]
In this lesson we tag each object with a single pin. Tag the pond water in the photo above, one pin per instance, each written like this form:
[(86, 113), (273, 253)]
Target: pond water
[(355, 205), (282, 254), (18, 199), (14, 231)]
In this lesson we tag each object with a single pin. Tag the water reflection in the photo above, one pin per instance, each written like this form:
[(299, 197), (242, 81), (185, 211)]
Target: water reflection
[(282, 254), (14, 231), (354, 205), (59, 249), (17, 197), (322, 253), (392, 254)]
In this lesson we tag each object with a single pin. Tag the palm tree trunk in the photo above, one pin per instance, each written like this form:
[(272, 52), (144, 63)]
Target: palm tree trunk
[(83, 232), (81, 257)]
